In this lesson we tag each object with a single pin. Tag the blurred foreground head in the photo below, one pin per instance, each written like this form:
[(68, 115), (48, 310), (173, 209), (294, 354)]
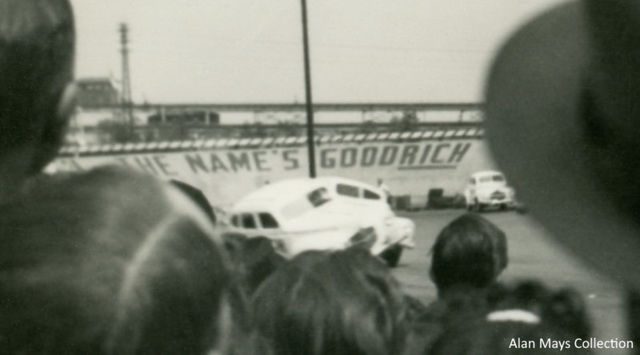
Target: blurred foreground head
[(564, 309), (481, 337), (37, 40), (469, 253), (323, 303), (563, 114), (525, 317), (110, 262)]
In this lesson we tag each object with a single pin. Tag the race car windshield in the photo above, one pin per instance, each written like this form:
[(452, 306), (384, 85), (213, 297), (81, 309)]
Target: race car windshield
[(318, 196), (498, 178), (310, 201)]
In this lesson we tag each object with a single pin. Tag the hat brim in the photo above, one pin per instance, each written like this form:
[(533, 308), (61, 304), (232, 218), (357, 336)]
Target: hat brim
[(537, 136)]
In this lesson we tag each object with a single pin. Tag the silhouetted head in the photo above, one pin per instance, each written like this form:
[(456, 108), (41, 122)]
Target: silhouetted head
[(564, 308), (37, 40), (110, 262), (481, 337), (322, 303), (526, 317), (260, 260), (469, 252)]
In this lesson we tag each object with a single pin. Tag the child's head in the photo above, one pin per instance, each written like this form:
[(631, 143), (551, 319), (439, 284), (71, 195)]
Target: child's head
[(469, 252)]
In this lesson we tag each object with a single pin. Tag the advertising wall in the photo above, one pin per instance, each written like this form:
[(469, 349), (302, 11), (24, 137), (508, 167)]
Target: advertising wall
[(225, 175)]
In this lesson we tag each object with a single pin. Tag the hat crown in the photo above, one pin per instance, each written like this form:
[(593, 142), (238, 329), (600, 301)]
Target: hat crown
[(614, 77), (562, 105)]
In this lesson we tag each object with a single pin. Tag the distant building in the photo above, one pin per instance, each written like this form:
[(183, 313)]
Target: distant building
[(94, 92), (100, 115), (184, 117)]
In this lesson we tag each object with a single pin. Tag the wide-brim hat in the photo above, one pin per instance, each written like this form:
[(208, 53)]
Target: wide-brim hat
[(562, 116)]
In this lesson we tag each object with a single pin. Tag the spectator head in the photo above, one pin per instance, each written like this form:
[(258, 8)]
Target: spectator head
[(254, 258), (482, 337), (444, 313), (523, 317), (110, 262), (470, 252), (260, 260), (37, 44), (564, 308), (567, 309), (526, 317), (233, 244), (322, 303)]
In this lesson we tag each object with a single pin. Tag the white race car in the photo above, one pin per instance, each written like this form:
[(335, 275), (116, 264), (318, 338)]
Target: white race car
[(488, 189), (325, 213)]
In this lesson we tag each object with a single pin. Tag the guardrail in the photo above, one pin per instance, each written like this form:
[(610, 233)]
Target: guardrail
[(284, 141)]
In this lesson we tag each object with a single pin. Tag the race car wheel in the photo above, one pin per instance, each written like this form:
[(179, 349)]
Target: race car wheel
[(392, 255)]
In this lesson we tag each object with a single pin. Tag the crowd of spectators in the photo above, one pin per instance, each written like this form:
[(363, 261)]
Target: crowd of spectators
[(111, 261)]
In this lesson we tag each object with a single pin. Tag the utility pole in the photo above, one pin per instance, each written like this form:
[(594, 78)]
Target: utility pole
[(309, 102), (127, 110)]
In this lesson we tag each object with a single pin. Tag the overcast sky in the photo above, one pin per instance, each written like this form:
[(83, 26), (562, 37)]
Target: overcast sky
[(216, 51)]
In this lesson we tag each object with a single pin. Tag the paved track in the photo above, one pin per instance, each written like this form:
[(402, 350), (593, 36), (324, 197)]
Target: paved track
[(532, 254)]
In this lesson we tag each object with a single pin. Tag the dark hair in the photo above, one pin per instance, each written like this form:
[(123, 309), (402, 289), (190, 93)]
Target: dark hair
[(110, 262), (260, 260), (254, 258), (443, 313), (470, 251), (233, 244), (322, 303), (530, 295), (197, 196), (37, 40), (564, 308)]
